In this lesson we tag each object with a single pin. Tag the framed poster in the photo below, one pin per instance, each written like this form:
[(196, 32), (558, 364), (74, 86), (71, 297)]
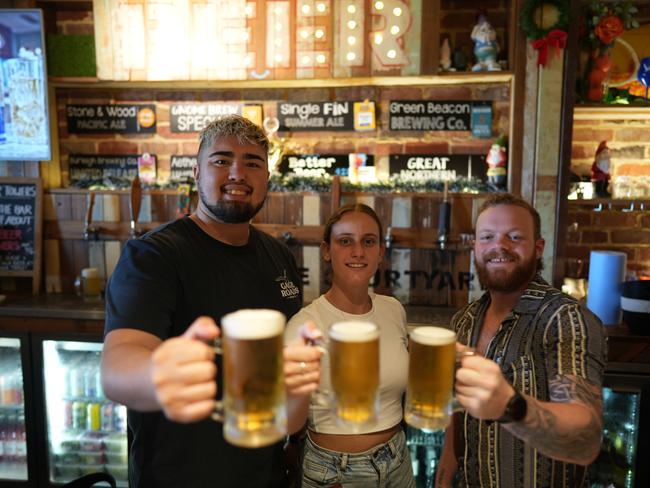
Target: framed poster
[(24, 123)]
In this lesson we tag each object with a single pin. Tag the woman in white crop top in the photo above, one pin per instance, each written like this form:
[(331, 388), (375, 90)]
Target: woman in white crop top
[(353, 245)]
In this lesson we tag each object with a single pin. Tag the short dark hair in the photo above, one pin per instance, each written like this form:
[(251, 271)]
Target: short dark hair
[(352, 207), (236, 126), (497, 199)]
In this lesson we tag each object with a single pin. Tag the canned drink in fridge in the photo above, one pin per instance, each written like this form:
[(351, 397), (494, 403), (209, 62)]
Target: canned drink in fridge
[(79, 415), (90, 382), (119, 418), (94, 417), (77, 382), (68, 409), (107, 417)]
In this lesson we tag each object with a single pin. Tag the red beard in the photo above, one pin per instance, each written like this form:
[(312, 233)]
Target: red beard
[(502, 280)]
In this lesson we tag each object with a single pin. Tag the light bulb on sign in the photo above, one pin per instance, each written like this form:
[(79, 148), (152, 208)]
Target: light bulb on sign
[(392, 54), (379, 5), (351, 56), (321, 58), (306, 9), (395, 30), (304, 33), (306, 60), (320, 33), (352, 40), (352, 24), (397, 11), (352, 9), (278, 58), (379, 39), (321, 7)]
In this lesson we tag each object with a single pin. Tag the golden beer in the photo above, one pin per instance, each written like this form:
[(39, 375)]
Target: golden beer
[(354, 370), (432, 362), (253, 378)]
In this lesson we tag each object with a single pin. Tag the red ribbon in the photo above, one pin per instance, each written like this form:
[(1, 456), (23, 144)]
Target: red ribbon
[(555, 39)]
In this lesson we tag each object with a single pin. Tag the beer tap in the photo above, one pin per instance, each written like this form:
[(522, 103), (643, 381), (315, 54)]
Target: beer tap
[(388, 241), (88, 230), (136, 200), (444, 218)]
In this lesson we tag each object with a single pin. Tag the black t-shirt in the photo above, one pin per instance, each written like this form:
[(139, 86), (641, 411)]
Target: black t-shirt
[(162, 283)]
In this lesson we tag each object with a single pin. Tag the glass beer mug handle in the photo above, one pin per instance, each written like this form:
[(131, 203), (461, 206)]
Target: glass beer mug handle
[(464, 352), (320, 397), (218, 412)]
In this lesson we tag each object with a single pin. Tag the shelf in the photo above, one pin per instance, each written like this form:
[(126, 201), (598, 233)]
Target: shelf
[(612, 112), (446, 79)]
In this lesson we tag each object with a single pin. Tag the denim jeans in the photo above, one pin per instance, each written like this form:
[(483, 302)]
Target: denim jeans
[(386, 466)]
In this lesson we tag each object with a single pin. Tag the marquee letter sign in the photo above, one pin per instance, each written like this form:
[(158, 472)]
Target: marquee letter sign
[(255, 39)]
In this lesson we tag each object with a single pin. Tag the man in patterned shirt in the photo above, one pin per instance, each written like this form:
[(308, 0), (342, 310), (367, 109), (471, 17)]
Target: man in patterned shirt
[(532, 393)]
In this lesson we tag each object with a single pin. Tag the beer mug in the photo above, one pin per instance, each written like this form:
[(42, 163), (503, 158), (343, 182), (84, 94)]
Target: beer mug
[(253, 409), (88, 285), (354, 373), (432, 367)]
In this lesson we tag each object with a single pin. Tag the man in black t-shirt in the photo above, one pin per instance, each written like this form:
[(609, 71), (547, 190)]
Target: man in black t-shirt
[(162, 301)]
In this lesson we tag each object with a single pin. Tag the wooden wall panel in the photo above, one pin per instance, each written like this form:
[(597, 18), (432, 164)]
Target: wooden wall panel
[(414, 270)]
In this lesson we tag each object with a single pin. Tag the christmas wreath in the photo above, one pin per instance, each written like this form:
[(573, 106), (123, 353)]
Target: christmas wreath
[(545, 23)]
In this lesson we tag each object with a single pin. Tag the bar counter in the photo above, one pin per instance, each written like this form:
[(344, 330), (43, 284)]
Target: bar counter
[(70, 313)]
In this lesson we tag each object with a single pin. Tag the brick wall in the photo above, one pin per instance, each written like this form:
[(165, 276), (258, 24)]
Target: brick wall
[(628, 140), (614, 228)]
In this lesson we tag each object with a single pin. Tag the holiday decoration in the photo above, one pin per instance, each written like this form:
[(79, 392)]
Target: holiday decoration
[(485, 45), (497, 161), (545, 23), (604, 23), (600, 170)]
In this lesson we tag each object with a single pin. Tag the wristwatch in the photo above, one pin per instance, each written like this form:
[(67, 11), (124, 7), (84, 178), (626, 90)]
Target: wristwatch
[(515, 409)]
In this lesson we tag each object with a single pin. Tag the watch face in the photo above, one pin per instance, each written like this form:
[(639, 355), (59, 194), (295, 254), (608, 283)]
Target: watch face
[(518, 407)]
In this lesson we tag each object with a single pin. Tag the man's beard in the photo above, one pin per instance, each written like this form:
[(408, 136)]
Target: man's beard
[(230, 212), (502, 280)]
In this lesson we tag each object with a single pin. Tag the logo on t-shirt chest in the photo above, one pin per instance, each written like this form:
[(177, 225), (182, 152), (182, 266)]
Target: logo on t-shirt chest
[(287, 288)]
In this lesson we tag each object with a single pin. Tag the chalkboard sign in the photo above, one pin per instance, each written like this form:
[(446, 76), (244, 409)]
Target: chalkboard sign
[(20, 228)]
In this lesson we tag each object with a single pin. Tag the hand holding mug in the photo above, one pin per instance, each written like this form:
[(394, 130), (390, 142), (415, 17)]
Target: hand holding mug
[(302, 362), (481, 388), (182, 371)]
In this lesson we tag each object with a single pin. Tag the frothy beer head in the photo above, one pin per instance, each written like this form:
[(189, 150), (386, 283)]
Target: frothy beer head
[(433, 336), (250, 324), (354, 331)]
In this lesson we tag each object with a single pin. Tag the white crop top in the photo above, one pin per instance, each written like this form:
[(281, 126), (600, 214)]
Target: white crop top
[(389, 315)]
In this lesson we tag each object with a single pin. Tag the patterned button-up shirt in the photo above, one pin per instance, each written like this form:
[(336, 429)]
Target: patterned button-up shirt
[(547, 334)]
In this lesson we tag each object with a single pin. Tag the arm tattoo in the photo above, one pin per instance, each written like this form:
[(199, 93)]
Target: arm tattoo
[(540, 428)]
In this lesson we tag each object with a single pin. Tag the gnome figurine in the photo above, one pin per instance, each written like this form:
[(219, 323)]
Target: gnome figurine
[(485, 45), (497, 161), (600, 171)]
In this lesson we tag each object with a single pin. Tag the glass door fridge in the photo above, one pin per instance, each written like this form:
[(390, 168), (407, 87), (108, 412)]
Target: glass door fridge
[(15, 427), (85, 432), (625, 448)]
